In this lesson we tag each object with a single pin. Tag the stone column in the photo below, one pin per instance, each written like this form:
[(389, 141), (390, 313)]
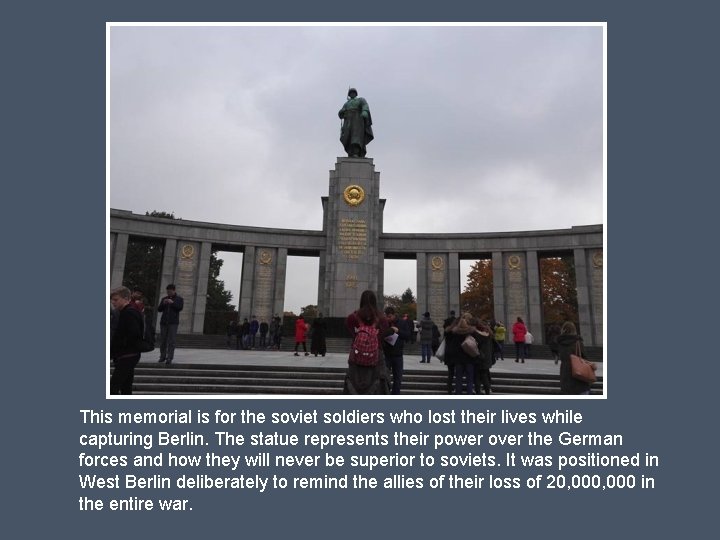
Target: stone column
[(381, 281), (583, 296), (280, 277), (167, 274), (597, 287), (117, 258), (187, 255), (499, 287), (453, 286), (201, 290), (422, 296), (246, 284), (352, 221), (534, 321), (516, 291), (262, 291), (438, 297)]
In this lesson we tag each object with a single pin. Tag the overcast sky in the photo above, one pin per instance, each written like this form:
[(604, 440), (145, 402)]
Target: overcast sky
[(477, 129)]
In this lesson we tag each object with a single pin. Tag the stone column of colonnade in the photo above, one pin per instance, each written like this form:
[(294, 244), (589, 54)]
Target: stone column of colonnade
[(187, 265), (438, 285), (118, 252), (589, 280), (262, 289)]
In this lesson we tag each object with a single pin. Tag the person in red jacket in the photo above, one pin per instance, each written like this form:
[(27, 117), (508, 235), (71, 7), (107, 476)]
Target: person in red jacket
[(519, 330), (300, 333)]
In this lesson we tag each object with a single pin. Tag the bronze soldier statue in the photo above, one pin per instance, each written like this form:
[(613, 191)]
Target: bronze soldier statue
[(356, 131)]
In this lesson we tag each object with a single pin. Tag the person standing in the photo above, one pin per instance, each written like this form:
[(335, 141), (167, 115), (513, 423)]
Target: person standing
[(124, 341), (300, 335), (486, 346), (245, 334), (447, 323), (275, 333), (463, 363), (367, 379), (263, 334), (170, 307), (406, 325), (569, 342), (254, 327), (552, 337), (449, 362), (426, 334), (317, 341), (519, 330), (232, 334), (500, 332), (393, 345), (528, 342)]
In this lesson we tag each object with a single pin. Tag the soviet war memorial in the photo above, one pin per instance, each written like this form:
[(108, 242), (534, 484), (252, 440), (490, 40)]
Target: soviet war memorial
[(506, 182)]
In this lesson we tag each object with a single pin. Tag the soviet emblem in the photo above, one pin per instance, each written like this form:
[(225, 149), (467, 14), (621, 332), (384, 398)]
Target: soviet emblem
[(354, 195), (265, 257), (437, 263), (514, 262), (597, 259), (187, 251)]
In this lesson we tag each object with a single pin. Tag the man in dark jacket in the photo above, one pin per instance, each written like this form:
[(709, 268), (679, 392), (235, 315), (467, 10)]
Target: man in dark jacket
[(393, 342), (170, 307), (124, 341)]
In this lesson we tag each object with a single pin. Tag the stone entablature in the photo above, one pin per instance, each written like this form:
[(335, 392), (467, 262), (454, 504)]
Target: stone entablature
[(313, 242)]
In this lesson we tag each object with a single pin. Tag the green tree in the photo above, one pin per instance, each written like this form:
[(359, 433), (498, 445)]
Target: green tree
[(219, 310), (143, 263), (558, 290), (408, 297), (404, 305), (309, 312), (477, 298)]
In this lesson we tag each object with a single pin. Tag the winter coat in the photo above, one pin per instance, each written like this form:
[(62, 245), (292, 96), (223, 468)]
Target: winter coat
[(454, 336), (394, 351), (500, 333), (300, 330), (566, 347), (519, 330), (426, 333), (171, 312), (485, 344), (125, 341)]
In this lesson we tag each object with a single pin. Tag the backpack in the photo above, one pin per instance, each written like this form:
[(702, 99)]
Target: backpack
[(365, 347), (145, 346)]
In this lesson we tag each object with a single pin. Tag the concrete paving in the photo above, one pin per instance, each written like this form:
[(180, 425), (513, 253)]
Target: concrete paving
[(286, 358)]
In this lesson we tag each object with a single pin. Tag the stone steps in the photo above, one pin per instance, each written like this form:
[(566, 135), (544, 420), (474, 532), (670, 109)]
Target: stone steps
[(338, 345), (309, 380)]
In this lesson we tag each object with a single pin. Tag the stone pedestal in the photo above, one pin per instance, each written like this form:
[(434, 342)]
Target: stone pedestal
[(352, 223)]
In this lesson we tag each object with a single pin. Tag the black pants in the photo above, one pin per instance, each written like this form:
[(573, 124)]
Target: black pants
[(482, 380), (121, 381), (395, 364)]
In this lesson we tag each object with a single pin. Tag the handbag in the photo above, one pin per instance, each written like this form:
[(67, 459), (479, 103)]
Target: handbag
[(582, 370), (470, 347), (440, 353)]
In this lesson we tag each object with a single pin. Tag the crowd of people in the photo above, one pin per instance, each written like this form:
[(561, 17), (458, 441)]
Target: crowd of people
[(470, 346)]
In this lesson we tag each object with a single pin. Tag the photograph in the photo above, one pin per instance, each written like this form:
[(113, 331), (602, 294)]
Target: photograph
[(317, 210)]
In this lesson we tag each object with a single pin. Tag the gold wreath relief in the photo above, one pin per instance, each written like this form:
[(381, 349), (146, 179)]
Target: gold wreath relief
[(437, 263), (597, 259), (187, 251), (514, 262), (354, 195), (265, 257)]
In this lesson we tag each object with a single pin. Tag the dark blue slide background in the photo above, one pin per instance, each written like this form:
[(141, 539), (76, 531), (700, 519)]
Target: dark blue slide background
[(661, 309)]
